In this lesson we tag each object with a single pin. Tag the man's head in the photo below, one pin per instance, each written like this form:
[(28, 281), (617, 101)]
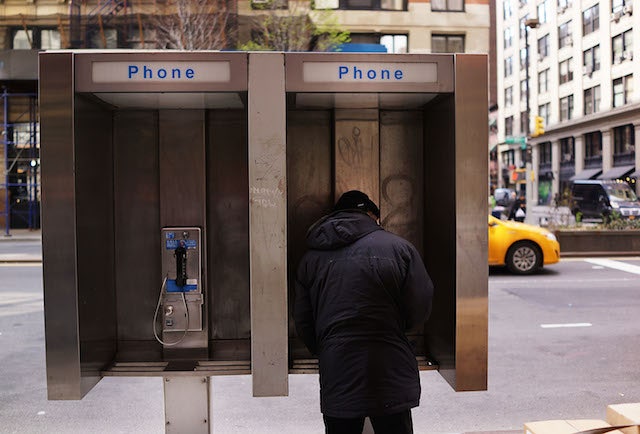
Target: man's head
[(357, 200)]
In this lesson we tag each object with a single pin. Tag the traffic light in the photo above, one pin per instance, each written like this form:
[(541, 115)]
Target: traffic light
[(538, 128)]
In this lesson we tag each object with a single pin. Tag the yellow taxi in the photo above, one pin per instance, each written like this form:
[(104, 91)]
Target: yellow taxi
[(522, 248)]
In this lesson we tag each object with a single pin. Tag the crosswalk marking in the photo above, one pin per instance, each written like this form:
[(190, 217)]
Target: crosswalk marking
[(617, 265)]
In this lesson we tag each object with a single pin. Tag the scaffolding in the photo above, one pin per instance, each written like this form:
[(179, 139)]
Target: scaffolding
[(20, 140)]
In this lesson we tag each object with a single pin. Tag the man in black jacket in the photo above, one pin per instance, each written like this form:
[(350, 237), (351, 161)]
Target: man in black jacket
[(358, 290)]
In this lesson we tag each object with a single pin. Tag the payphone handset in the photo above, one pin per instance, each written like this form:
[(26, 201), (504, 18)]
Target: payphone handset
[(181, 295)]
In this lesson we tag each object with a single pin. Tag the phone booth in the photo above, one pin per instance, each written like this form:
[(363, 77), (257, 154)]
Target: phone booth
[(177, 188)]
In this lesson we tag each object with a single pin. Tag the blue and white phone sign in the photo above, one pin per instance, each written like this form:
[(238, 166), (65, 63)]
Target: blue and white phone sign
[(369, 72), (161, 72)]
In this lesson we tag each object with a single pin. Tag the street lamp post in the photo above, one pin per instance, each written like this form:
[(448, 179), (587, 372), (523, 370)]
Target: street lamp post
[(530, 23)]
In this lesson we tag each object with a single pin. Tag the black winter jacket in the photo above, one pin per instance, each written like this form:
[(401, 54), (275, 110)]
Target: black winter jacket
[(358, 289)]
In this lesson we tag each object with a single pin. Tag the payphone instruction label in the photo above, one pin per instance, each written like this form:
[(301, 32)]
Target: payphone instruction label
[(161, 72), (369, 72)]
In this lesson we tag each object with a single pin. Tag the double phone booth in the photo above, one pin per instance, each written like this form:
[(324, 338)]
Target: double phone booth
[(177, 188)]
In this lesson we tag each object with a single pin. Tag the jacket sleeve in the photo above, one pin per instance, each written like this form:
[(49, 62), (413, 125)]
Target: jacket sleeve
[(417, 292), (303, 316)]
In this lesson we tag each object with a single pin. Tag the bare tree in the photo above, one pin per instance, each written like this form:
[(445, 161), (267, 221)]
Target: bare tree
[(194, 25), (296, 27)]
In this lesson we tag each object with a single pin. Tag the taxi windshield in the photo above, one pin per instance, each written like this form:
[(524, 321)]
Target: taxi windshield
[(621, 192)]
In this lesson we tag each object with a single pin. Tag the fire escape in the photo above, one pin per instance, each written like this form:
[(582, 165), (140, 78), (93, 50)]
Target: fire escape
[(96, 25)]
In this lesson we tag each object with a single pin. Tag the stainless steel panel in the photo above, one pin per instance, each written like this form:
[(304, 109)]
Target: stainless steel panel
[(402, 174), (296, 83), (228, 223), (309, 190), (59, 227), (471, 134), (357, 152), (268, 224), (237, 63), (182, 188), (137, 225), (93, 159), (456, 333)]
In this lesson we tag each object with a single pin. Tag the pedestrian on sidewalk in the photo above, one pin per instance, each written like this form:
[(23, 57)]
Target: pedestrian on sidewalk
[(359, 289)]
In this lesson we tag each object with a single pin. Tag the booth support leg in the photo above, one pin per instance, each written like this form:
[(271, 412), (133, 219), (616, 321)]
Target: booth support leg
[(186, 405)]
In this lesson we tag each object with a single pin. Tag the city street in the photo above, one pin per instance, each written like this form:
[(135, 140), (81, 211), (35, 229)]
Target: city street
[(563, 344)]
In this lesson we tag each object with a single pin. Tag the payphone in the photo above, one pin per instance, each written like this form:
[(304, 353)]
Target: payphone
[(181, 297)]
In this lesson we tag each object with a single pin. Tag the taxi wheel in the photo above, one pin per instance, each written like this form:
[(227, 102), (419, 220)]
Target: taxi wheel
[(524, 257)]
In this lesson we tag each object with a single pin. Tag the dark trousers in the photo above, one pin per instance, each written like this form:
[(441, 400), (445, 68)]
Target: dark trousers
[(398, 423)]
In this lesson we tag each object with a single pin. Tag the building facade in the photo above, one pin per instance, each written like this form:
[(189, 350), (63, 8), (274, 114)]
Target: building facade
[(582, 59), (27, 26)]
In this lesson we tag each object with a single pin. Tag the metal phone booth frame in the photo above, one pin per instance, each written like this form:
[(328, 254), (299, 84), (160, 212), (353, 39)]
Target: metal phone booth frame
[(411, 132), (220, 144)]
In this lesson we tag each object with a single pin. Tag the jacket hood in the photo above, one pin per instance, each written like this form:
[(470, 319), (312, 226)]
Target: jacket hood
[(340, 229)]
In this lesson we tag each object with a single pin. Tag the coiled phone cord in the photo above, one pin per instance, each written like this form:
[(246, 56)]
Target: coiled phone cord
[(155, 317)]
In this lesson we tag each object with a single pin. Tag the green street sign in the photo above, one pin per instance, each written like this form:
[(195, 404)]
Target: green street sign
[(511, 140)]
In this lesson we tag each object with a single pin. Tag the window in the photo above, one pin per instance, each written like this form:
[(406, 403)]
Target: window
[(523, 26), (396, 5), (523, 90), (591, 60), (543, 81), (566, 71), (567, 150), (590, 20), (35, 38), (508, 37), (622, 90), (592, 148), (543, 9), (624, 140), (395, 43), (544, 151), (524, 123), (506, 9), (592, 100), (508, 96), (563, 5), (564, 35), (523, 59), (508, 66), (447, 5), (618, 6), (544, 111), (508, 126), (447, 43), (622, 47), (543, 47), (566, 108), (106, 38)]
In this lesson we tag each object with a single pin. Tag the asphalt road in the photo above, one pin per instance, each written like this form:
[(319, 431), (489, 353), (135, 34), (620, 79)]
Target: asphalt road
[(563, 344)]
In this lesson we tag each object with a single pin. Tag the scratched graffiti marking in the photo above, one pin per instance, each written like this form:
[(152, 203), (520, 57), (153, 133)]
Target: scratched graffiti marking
[(399, 193), (352, 149)]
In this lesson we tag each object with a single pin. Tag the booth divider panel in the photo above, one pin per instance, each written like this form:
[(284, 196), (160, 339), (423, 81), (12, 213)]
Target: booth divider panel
[(228, 233), (309, 192), (59, 227), (94, 238), (137, 229), (440, 231)]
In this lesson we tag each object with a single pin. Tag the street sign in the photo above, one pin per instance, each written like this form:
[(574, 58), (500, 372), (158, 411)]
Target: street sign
[(509, 140)]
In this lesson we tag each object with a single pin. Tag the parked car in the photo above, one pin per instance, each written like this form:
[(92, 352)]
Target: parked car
[(522, 248), (601, 199)]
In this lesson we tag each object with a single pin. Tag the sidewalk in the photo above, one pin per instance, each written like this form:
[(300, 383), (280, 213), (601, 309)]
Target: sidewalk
[(21, 245)]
